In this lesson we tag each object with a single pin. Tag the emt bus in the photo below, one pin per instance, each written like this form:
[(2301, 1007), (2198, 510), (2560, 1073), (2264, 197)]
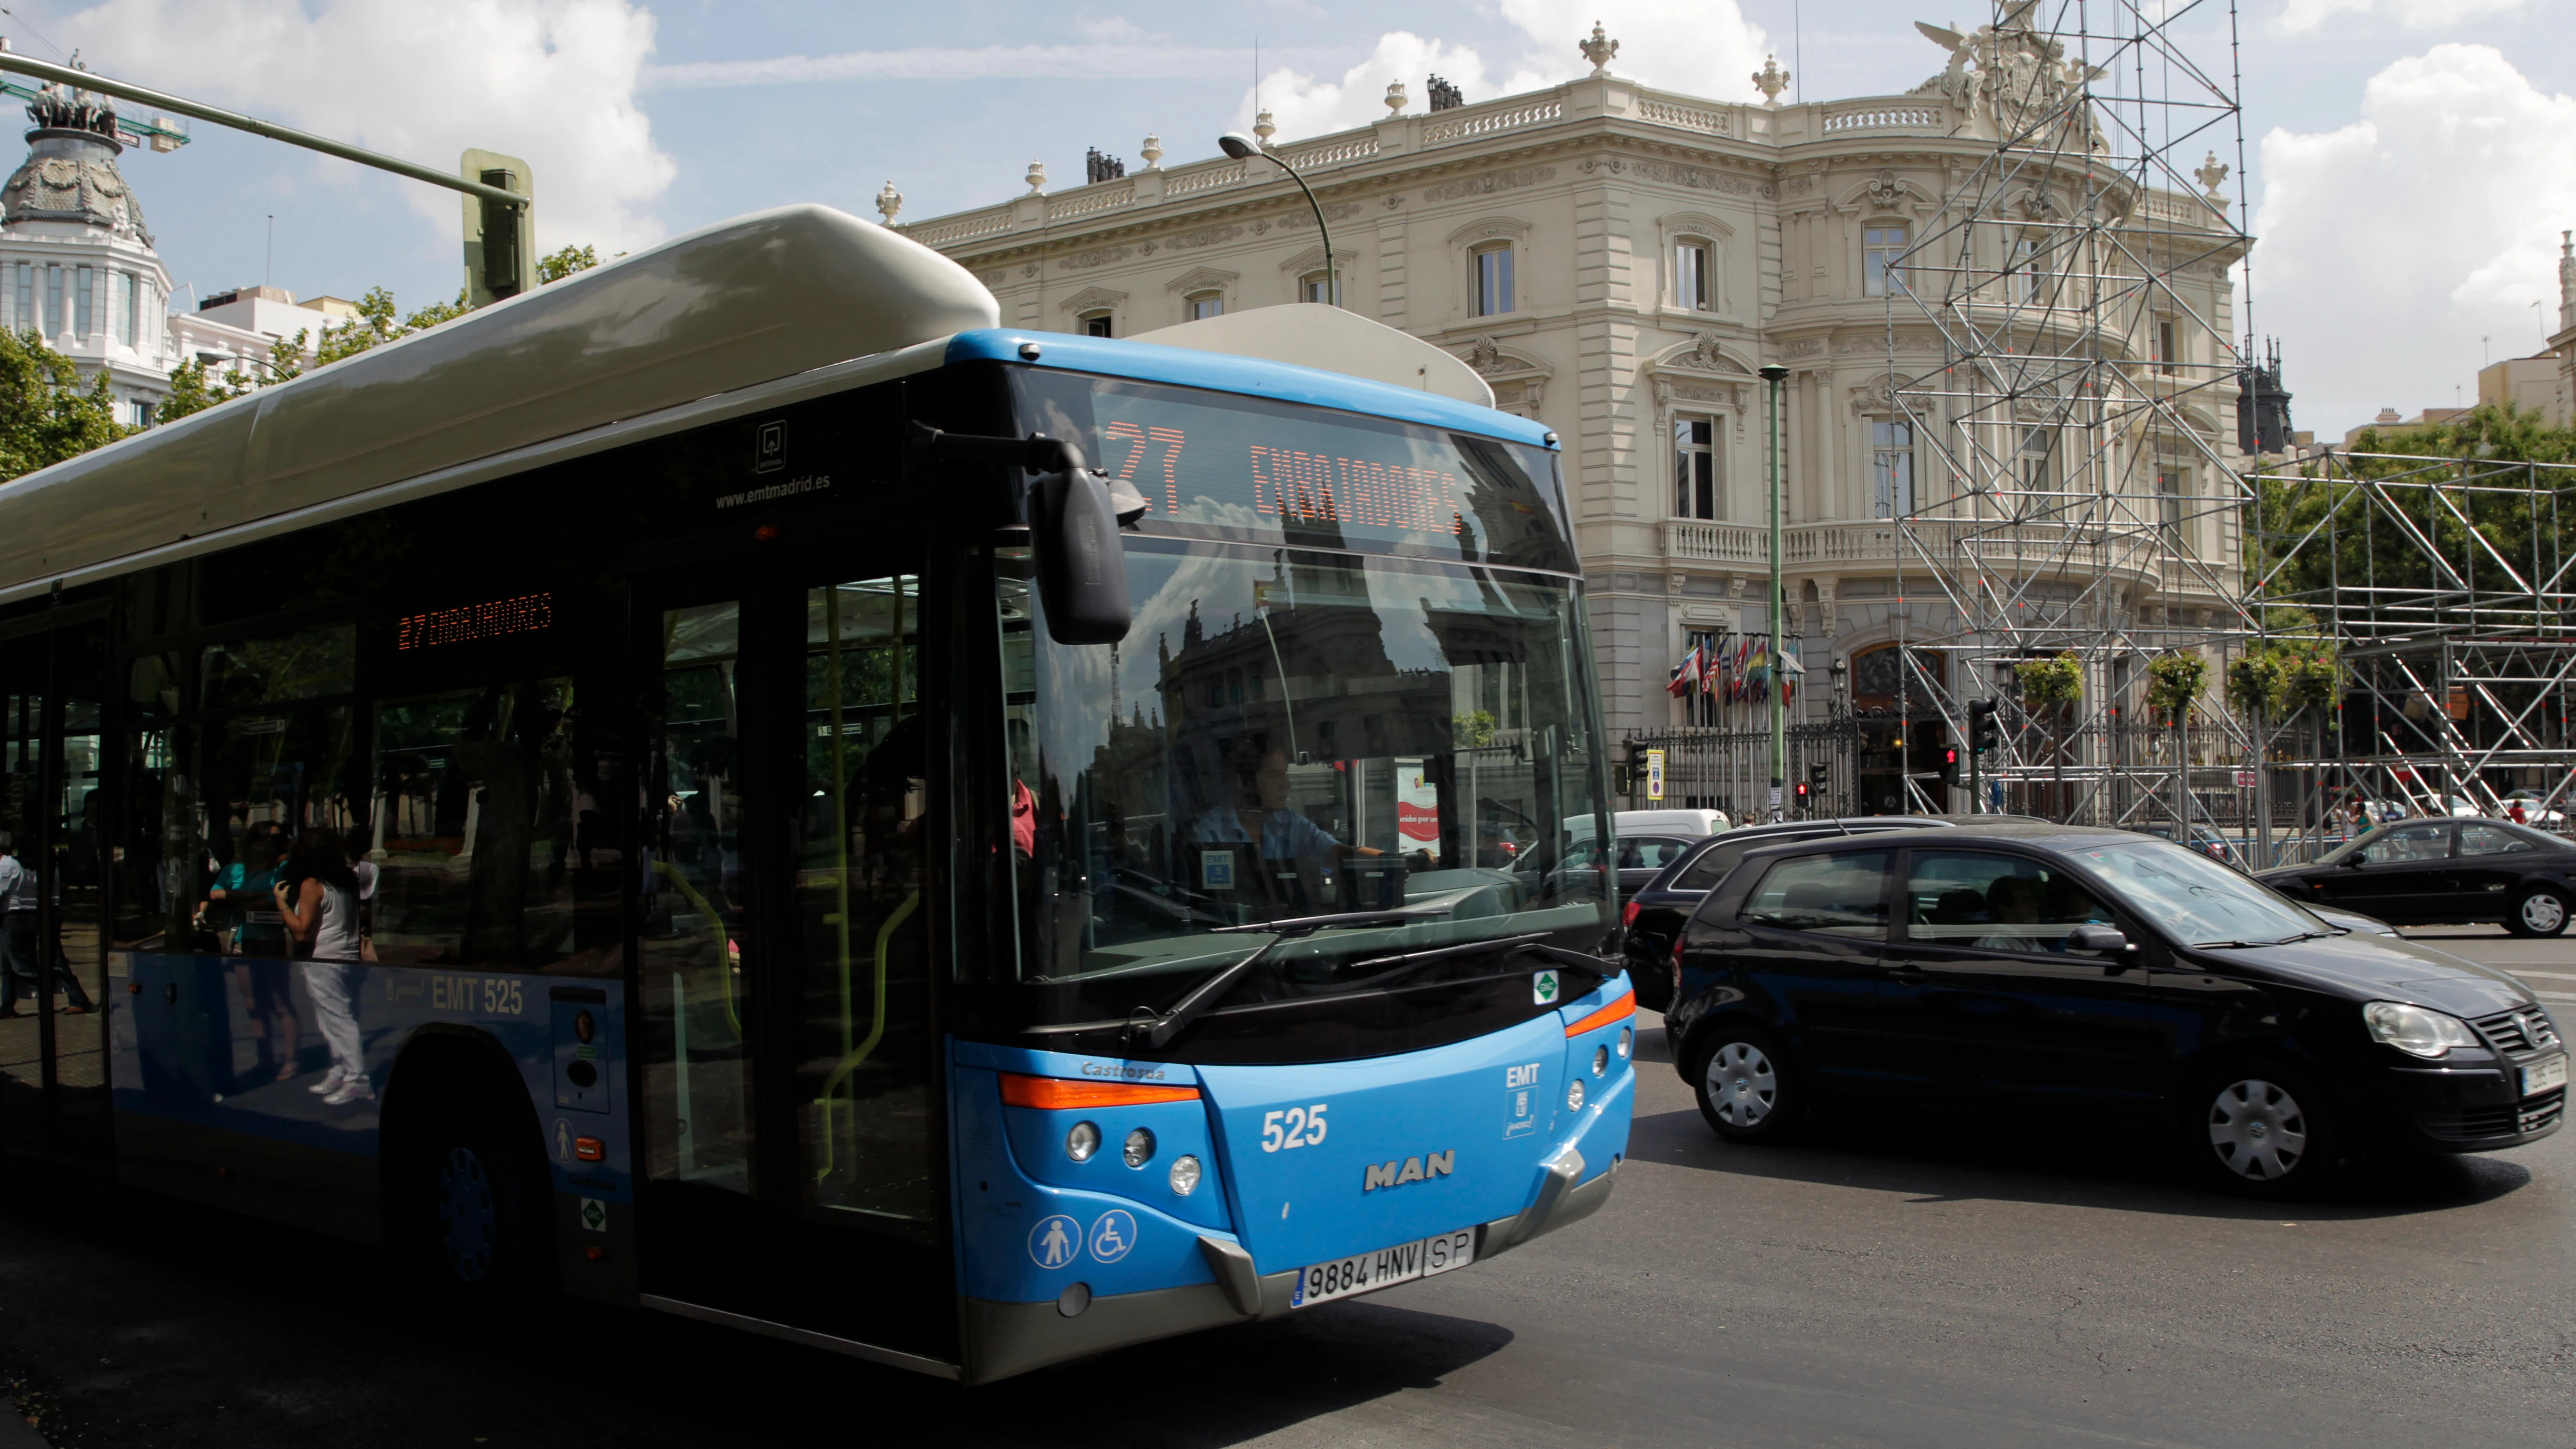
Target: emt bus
[(960, 847)]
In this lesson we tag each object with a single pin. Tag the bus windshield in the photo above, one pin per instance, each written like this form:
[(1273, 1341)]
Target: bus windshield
[(1290, 732)]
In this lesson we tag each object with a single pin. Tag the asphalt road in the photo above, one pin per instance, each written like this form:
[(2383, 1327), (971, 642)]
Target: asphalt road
[(1986, 1285)]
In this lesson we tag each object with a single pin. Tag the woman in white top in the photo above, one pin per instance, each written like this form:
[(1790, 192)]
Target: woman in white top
[(319, 901)]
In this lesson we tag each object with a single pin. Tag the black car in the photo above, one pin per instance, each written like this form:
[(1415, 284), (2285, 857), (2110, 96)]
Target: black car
[(2067, 972), (1658, 906), (2443, 871)]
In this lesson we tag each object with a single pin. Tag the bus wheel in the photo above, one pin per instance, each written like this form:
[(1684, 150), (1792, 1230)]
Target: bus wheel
[(482, 1224)]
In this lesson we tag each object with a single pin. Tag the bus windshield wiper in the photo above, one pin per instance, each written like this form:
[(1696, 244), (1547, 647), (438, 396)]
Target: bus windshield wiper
[(1156, 1031)]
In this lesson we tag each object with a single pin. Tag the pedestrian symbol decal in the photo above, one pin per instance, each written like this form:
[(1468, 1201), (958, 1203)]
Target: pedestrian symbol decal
[(563, 1140), (1543, 988), (1112, 1236), (594, 1215), (1054, 1241)]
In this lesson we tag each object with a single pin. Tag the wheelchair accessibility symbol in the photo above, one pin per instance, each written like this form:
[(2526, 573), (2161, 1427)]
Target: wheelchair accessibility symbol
[(1055, 1241), (1112, 1236)]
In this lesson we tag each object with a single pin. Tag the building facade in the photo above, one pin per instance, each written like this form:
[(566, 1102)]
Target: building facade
[(1617, 262)]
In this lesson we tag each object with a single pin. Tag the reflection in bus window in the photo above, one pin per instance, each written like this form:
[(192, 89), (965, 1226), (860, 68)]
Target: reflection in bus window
[(1289, 733), (474, 831), (696, 914)]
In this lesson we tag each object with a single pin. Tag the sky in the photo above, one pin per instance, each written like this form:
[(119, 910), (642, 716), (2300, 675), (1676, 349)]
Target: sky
[(2409, 161)]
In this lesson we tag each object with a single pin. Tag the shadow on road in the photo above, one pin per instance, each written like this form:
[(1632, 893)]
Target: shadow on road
[(129, 1321), (2131, 1172)]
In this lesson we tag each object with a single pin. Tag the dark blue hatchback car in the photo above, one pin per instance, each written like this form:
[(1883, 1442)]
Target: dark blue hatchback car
[(2099, 975)]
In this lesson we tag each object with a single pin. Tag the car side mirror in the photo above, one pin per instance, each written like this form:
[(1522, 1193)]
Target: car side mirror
[(2358, 857), (2104, 939)]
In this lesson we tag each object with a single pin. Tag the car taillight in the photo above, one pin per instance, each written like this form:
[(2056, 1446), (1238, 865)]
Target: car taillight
[(1628, 917)]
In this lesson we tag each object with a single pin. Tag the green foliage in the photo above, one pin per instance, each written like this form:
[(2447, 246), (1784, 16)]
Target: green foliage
[(564, 263), (372, 327), (1473, 730), (437, 312), (47, 413), (2174, 682), (193, 389), (2323, 534), (2286, 674), (2048, 684)]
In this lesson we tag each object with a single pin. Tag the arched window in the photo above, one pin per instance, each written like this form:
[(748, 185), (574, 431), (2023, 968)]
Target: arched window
[(2030, 270), (1489, 278), (1203, 305)]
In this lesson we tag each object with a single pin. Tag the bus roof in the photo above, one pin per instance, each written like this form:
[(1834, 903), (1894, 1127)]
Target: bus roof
[(1253, 376), (741, 314)]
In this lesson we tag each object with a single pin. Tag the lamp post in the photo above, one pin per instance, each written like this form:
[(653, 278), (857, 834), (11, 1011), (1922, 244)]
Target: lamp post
[(1242, 147), (1773, 374)]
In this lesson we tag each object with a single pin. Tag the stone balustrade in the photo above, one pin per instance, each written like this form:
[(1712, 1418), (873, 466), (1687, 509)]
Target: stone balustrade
[(2008, 547)]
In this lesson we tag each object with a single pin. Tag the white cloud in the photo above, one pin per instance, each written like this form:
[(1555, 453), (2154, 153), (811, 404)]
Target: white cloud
[(554, 81), (1132, 59), (1704, 49), (2390, 246), (2300, 17)]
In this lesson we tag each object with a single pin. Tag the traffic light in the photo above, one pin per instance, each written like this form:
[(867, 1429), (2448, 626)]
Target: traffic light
[(1816, 775), (1983, 733), (1949, 764), (1802, 789)]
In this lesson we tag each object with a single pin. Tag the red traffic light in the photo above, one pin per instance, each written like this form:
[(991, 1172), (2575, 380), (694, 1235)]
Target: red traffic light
[(1802, 789), (1950, 756)]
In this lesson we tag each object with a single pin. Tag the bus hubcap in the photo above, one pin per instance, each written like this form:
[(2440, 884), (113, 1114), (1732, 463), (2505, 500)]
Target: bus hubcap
[(2258, 1130), (465, 1216), (1742, 1087)]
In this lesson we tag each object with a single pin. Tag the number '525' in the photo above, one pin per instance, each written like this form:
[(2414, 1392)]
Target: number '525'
[(1293, 1127)]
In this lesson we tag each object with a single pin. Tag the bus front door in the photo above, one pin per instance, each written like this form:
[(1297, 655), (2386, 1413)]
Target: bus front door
[(790, 1066)]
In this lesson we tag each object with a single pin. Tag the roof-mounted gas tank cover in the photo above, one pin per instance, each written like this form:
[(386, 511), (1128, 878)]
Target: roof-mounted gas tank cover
[(760, 297)]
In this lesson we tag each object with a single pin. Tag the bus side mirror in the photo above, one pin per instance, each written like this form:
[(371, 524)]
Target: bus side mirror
[(1082, 570)]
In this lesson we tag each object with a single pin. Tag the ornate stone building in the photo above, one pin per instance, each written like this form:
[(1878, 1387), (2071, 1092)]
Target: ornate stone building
[(77, 265), (1617, 261)]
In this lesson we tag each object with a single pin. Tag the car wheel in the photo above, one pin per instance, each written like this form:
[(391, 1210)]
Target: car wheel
[(2538, 911), (1747, 1089), (2263, 1129)]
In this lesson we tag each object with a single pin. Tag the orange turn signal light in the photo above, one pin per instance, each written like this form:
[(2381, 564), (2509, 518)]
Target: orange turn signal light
[(1619, 1010), (1057, 1093), (589, 1149)]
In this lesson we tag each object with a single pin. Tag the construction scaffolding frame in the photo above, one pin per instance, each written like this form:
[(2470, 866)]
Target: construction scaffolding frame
[(2448, 585), (2077, 485)]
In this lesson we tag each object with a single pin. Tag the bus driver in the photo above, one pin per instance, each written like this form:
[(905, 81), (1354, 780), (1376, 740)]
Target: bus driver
[(1265, 817)]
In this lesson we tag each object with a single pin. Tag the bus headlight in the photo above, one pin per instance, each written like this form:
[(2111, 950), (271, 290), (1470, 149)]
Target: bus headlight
[(1082, 1141), (1600, 1060), (1627, 1040), (1139, 1149), (1185, 1175), (1574, 1095)]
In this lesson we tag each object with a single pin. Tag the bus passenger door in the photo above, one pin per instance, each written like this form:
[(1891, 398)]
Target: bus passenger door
[(697, 937)]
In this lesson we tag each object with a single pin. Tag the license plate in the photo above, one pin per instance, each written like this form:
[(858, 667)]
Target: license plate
[(1368, 1272), (2544, 1076)]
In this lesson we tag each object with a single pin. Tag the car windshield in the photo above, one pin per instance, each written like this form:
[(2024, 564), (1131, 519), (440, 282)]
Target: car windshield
[(2199, 900)]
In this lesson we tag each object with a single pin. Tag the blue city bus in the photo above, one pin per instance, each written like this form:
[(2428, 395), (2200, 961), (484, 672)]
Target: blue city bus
[(733, 784)]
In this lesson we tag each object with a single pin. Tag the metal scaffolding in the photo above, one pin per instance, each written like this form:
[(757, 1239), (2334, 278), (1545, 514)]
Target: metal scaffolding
[(2077, 486), (2448, 586)]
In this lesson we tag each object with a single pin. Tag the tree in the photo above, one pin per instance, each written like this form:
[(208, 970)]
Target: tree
[(193, 389), (564, 263), (47, 413)]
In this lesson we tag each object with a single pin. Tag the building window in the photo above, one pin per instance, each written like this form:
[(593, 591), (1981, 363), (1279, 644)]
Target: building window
[(1098, 324), (1695, 482), (2173, 485), (1694, 290), (1881, 270), (2038, 472), (1311, 288), (142, 413), (130, 317), (23, 317), (1492, 278), (53, 303), (82, 302), (2165, 354), (1206, 304), (1891, 466), (2029, 271)]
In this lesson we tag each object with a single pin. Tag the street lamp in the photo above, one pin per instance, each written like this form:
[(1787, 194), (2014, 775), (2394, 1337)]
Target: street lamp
[(1773, 374), (1242, 147)]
